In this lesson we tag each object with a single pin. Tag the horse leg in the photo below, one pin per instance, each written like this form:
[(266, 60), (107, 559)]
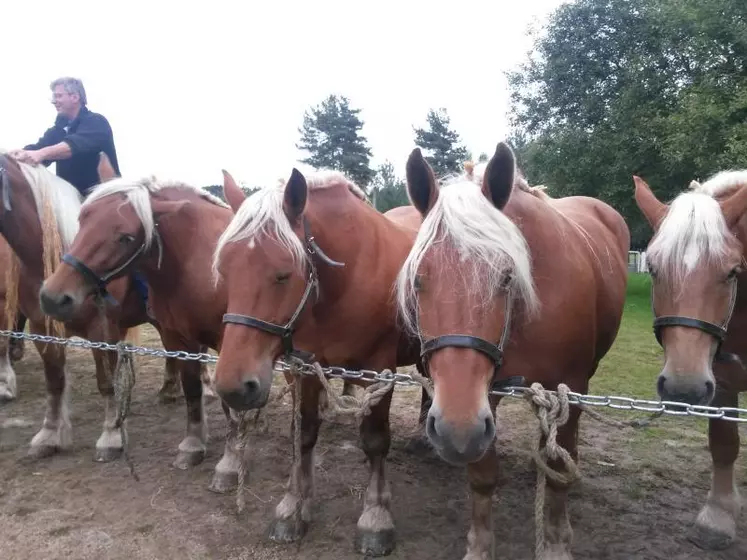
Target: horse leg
[(206, 378), (8, 389), (483, 478), (170, 388), (558, 531), (193, 447), (418, 443), (375, 530), (109, 445), (226, 476), (56, 432), (716, 524), (293, 513), (17, 345)]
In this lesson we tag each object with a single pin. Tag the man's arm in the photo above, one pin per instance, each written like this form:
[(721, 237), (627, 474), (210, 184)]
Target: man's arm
[(91, 136), (32, 153)]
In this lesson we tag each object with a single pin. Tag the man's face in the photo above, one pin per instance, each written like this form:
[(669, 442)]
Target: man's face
[(66, 103)]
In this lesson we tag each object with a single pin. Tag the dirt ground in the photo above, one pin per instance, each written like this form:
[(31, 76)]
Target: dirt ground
[(632, 502)]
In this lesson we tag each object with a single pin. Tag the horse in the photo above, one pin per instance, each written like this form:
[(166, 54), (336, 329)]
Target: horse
[(168, 230), (696, 259), (503, 278), (11, 349), (39, 214), (309, 267)]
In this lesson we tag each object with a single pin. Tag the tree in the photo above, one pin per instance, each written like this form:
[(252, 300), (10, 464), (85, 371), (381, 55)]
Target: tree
[(331, 135), (217, 190), (648, 87), (441, 144), (387, 190)]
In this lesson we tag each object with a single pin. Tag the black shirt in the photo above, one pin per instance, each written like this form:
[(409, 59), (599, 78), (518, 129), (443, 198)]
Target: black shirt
[(87, 135)]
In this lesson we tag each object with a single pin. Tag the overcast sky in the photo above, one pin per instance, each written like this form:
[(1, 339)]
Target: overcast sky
[(189, 91)]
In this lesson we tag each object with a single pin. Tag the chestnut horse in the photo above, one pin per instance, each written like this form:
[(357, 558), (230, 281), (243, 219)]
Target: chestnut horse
[(168, 230), (502, 278), (310, 266), (39, 213), (696, 259), (11, 349)]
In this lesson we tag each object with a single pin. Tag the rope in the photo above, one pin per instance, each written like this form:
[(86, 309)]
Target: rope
[(552, 411), (349, 404), (124, 381)]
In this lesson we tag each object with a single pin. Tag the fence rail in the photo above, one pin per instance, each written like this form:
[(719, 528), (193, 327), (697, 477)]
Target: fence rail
[(403, 379)]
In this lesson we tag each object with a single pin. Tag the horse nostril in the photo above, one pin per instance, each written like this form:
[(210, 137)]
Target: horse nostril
[(709, 389), (251, 387), (430, 426), (489, 427)]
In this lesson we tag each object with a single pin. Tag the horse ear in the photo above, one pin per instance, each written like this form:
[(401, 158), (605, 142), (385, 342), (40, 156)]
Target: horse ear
[(233, 193), (421, 182), (498, 180), (163, 208), (650, 206), (105, 168), (294, 199), (735, 206)]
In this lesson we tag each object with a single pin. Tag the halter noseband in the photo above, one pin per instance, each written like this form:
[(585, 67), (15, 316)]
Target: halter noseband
[(285, 332), (716, 331), (100, 282), (489, 349)]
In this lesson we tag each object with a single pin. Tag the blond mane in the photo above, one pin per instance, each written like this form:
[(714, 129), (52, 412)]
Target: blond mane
[(694, 228), (262, 214), (488, 243), (139, 192)]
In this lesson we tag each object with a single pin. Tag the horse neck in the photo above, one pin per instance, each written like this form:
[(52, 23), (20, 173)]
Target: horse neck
[(185, 248), (21, 226)]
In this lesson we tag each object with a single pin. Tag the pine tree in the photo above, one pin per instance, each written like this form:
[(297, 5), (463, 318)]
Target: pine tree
[(331, 135), (387, 190), (442, 146)]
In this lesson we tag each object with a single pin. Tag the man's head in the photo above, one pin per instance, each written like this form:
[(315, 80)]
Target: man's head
[(68, 96)]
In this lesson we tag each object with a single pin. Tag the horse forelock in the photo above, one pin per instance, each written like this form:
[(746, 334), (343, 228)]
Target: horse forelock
[(487, 242), (693, 231), (139, 193), (262, 214)]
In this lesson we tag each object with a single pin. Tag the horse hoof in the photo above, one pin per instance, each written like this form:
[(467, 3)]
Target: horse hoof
[(708, 539), (42, 451), (288, 530), (187, 459), (107, 454), (378, 543), (224, 482), (167, 396)]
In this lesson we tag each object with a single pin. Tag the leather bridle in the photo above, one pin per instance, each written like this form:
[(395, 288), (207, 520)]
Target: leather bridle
[(493, 351), (99, 282), (716, 331), (285, 332)]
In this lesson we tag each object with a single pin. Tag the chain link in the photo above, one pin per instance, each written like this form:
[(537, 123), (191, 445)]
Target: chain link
[(405, 380)]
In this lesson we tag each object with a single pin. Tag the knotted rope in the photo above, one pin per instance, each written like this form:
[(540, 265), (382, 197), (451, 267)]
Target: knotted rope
[(124, 380)]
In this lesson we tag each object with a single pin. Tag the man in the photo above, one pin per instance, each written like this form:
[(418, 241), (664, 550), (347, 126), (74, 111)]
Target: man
[(74, 143), (75, 140)]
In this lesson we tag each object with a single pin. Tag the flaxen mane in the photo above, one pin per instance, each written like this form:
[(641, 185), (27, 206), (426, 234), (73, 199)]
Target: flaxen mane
[(262, 213), (138, 193)]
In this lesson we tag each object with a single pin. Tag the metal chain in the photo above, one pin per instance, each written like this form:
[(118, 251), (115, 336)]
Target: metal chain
[(403, 379)]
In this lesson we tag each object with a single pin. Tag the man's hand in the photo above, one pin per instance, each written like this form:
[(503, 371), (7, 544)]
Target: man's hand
[(33, 157)]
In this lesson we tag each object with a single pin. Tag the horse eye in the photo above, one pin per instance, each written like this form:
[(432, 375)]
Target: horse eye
[(282, 277), (734, 272), (417, 284), (506, 281), (126, 238)]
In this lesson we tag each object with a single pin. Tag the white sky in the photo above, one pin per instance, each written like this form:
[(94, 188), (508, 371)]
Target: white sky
[(189, 91)]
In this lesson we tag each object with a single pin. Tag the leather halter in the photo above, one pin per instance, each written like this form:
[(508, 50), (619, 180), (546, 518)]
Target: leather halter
[(5, 185), (285, 332), (489, 349), (716, 331), (100, 282)]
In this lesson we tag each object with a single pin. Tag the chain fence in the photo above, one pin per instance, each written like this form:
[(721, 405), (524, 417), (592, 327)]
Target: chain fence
[(672, 408)]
